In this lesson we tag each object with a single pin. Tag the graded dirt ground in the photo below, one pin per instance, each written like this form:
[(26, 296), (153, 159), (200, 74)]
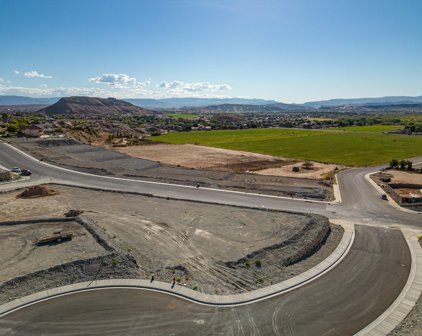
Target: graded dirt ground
[(69, 153), (20, 256), (193, 156), (202, 157), (318, 172), (398, 176), (217, 249)]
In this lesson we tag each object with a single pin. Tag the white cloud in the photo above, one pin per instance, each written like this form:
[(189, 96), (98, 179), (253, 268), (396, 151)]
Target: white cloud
[(192, 87), (120, 81), (121, 86), (17, 72), (34, 74)]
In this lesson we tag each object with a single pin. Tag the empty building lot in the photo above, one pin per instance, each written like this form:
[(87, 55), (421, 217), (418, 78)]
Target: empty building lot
[(212, 248), (20, 255)]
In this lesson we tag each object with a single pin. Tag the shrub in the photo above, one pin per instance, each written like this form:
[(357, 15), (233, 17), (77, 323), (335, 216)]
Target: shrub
[(308, 165), (258, 263)]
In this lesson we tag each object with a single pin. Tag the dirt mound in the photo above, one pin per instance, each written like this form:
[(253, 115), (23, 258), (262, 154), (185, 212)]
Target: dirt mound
[(37, 191), (73, 213)]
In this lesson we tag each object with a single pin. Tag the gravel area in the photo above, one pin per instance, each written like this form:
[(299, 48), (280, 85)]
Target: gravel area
[(19, 255), (217, 249)]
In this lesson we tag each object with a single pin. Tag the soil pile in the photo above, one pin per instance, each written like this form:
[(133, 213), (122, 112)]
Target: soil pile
[(37, 191)]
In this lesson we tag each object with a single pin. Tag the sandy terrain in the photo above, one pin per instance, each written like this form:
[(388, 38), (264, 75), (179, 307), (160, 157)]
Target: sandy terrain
[(202, 157), (195, 156), (398, 176), (319, 171), (19, 255), (204, 245)]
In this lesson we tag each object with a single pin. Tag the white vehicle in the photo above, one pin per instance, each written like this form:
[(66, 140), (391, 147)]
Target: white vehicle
[(16, 170)]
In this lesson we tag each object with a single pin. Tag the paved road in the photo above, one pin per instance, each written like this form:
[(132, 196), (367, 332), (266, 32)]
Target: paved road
[(361, 203), (341, 302)]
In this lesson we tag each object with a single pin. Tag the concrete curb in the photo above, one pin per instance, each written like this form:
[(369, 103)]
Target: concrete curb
[(404, 303), (191, 295), (336, 192)]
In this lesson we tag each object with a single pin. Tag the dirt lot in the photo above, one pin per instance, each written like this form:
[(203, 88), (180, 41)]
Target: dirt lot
[(218, 249), (319, 170), (71, 154), (19, 255), (398, 176), (198, 157), (202, 157)]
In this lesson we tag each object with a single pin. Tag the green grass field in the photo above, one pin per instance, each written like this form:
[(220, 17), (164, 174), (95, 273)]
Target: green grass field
[(348, 148), (183, 115), (374, 128)]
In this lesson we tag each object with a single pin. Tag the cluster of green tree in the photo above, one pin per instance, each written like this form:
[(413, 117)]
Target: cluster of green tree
[(402, 164), (368, 121), (414, 127)]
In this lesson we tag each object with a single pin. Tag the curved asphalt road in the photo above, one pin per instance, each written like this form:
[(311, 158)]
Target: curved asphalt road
[(341, 302)]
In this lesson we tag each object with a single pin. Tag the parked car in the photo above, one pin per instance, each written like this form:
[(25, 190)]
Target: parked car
[(384, 197), (16, 170), (26, 172)]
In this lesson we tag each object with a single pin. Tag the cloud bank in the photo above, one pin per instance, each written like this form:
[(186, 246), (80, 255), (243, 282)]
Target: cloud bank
[(193, 87), (119, 86)]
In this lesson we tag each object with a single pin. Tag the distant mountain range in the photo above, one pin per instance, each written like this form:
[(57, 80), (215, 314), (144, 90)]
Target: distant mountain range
[(93, 106), (195, 102), (392, 100), (21, 100), (147, 103), (232, 104)]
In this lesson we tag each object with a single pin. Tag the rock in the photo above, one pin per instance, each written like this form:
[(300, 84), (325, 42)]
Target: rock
[(73, 213)]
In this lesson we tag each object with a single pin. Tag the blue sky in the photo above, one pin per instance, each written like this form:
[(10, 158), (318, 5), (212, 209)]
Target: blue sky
[(288, 50)]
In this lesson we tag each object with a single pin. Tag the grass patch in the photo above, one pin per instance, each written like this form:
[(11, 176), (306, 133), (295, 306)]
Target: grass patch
[(183, 115), (372, 128), (348, 148)]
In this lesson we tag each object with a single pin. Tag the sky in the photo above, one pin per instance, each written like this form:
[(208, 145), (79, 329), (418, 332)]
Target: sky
[(288, 50)]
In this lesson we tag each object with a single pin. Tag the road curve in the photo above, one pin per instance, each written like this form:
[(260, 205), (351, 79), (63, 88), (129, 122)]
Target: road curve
[(360, 201), (342, 302)]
